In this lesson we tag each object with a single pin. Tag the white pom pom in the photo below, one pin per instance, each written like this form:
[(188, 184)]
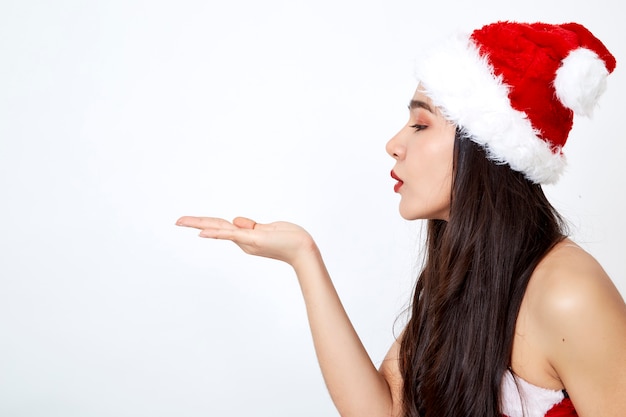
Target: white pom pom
[(580, 81)]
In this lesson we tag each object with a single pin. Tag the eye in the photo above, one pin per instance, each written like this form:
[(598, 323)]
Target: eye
[(418, 127)]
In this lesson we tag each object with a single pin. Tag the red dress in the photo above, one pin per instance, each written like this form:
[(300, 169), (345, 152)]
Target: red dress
[(523, 399)]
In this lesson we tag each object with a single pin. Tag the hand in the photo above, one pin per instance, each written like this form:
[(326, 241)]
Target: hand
[(279, 240)]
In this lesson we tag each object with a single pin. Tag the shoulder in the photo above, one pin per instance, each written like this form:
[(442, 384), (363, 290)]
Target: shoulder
[(570, 292), (569, 282), (580, 318), (569, 278)]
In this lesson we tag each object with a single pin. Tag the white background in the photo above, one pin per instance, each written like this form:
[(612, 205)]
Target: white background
[(117, 117)]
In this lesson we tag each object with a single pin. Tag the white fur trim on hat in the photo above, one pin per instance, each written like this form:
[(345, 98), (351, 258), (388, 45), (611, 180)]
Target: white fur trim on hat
[(463, 85)]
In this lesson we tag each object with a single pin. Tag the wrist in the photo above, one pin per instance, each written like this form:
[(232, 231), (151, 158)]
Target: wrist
[(307, 257)]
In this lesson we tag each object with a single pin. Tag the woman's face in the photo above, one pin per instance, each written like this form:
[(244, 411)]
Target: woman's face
[(423, 152)]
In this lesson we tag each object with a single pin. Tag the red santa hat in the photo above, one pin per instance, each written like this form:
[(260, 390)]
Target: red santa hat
[(514, 88)]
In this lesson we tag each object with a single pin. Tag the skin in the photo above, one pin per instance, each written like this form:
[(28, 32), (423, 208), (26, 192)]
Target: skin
[(570, 332), (423, 151), (355, 385)]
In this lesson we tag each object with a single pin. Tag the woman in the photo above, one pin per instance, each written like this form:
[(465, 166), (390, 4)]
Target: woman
[(509, 316)]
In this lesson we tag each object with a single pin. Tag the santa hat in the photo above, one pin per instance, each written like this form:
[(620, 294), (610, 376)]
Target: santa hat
[(514, 88)]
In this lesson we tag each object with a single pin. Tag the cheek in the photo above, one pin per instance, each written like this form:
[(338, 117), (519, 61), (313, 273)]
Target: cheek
[(428, 165), (431, 182), (442, 154), (436, 164)]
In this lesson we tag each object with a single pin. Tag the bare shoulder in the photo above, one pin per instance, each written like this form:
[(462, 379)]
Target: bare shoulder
[(569, 280), (570, 291), (580, 318)]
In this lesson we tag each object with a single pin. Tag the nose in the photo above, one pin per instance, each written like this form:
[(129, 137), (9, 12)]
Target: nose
[(394, 147)]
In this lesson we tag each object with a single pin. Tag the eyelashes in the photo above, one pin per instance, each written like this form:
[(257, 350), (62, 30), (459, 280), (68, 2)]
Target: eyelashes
[(418, 127)]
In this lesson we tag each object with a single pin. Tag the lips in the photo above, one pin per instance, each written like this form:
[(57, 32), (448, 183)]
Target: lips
[(398, 184)]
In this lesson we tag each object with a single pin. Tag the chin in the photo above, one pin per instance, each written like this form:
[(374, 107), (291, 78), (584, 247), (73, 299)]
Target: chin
[(413, 214)]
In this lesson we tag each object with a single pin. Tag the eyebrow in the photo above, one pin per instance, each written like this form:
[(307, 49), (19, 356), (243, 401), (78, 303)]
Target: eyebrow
[(418, 104)]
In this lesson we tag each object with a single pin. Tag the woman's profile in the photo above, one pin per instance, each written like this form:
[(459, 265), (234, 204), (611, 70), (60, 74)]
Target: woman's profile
[(509, 316)]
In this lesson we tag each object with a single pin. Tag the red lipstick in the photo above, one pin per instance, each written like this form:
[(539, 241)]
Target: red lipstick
[(398, 184)]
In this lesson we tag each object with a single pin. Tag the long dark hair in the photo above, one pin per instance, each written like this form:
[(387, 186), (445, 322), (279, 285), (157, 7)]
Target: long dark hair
[(458, 341)]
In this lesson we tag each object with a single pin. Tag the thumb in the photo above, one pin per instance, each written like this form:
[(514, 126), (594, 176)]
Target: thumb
[(244, 223)]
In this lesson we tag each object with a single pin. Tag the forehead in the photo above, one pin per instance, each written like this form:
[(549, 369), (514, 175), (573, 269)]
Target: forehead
[(421, 101), (420, 95)]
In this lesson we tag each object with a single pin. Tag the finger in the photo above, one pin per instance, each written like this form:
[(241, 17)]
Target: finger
[(204, 222), (239, 236), (244, 223)]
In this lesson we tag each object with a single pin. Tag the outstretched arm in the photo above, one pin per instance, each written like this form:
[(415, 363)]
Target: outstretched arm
[(355, 385)]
